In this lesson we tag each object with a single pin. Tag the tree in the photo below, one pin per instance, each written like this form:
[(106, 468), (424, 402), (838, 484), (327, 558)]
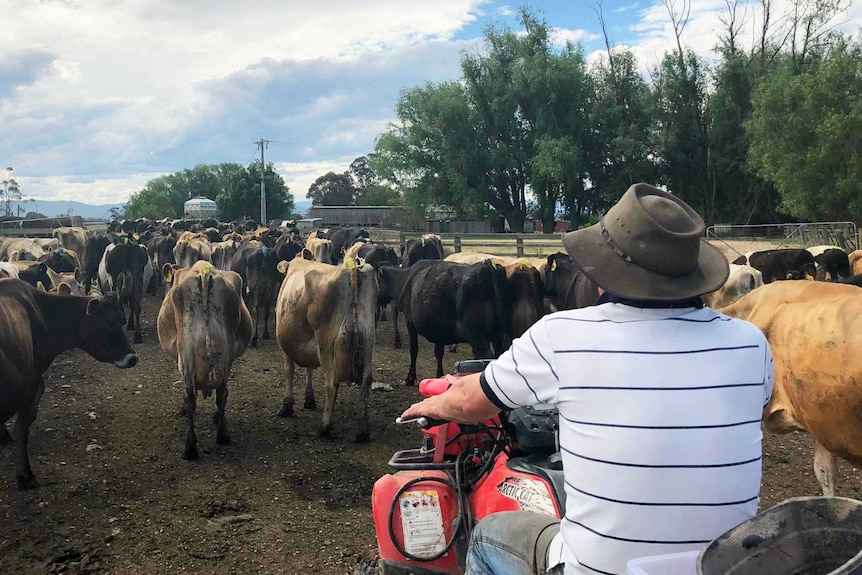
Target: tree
[(10, 192), (35, 216), (378, 195), (117, 214), (806, 136), (364, 177), (332, 189)]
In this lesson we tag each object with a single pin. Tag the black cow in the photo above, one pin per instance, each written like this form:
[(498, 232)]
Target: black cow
[(375, 255), (777, 264), (96, 245), (161, 250), (258, 267), (451, 303), (428, 247), (834, 262), (566, 286), (125, 264), (60, 260), (855, 280), (391, 281), (34, 328), (36, 274), (343, 238), (288, 246)]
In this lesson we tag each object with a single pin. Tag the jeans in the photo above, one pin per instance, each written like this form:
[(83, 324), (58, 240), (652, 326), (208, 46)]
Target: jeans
[(512, 543)]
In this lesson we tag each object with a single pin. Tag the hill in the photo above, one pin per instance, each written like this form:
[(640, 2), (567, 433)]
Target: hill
[(52, 208)]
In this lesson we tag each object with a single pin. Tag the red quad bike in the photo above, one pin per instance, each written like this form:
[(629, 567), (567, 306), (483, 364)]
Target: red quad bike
[(425, 511)]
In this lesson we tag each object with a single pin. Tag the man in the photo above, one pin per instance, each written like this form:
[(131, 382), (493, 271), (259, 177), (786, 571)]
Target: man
[(660, 401)]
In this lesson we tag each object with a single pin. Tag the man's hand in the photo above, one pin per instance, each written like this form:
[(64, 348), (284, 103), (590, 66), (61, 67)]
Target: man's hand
[(463, 402)]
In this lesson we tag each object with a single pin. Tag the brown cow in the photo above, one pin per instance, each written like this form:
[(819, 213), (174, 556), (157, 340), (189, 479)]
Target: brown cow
[(35, 327), (814, 331), (190, 250), (855, 262), (204, 326), (325, 318), (318, 250), (74, 239), (742, 280)]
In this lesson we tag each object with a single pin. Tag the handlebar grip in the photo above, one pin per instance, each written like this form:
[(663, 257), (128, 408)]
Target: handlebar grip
[(423, 422), (434, 386)]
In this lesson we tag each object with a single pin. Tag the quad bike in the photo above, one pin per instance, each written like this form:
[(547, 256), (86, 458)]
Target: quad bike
[(425, 511)]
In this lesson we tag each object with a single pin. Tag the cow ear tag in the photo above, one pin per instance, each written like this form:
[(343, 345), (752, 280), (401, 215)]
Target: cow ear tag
[(423, 242), (207, 269), (169, 277), (282, 266), (525, 264), (554, 265), (349, 263)]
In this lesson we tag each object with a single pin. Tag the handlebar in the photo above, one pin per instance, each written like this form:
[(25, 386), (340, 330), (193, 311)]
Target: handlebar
[(423, 422)]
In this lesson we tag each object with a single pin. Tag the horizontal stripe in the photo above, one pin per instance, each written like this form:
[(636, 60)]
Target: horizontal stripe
[(669, 466), (645, 352), (594, 570), (655, 504), (670, 427), (627, 540), (629, 388), (489, 393), (641, 320)]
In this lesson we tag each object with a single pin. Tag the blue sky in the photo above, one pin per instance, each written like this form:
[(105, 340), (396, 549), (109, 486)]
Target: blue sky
[(99, 96)]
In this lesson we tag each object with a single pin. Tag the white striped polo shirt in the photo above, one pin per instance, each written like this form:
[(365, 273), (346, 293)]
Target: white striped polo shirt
[(660, 431)]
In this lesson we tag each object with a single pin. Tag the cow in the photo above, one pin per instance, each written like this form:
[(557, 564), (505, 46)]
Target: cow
[(427, 247), (8, 270), (740, 281), (35, 274), (852, 280), (203, 326), (855, 260), (342, 239), (319, 250), (222, 253), (566, 286), (95, 250), (161, 250), (72, 281), (391, 281), (373, 254), (776, 264), (289, 246), (190, 249), (257, 265), (325, 318), (61, 260), (831, 263), (452, 303), (813, 332), (74, 239), (23, 250), (35, 327), (122, 269)]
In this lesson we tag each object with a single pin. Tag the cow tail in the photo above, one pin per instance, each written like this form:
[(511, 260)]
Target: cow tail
[(352, 331)]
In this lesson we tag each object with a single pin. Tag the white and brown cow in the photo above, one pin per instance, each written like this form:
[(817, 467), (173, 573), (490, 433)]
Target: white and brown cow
[(73, 238), (325, 318), (204, 326), (815, 332), (741, 280)]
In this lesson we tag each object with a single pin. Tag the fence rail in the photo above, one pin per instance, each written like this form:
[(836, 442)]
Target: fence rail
[(520, 245)]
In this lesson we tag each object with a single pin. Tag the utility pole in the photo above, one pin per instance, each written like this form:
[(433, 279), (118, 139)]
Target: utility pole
[(262, 144)]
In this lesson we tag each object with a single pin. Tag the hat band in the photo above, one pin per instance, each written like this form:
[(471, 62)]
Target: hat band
[(611, 243)]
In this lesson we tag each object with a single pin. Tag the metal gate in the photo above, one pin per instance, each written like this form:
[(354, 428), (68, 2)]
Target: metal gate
[(739, 240)]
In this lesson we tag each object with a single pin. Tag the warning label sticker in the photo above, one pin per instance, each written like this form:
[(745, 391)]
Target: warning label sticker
[(422, 523), (530, 494)]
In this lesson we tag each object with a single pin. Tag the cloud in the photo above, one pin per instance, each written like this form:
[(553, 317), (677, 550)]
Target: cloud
[(560, 36), (627, 7)]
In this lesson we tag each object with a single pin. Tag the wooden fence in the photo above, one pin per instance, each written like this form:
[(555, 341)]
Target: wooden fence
[(519, 245)]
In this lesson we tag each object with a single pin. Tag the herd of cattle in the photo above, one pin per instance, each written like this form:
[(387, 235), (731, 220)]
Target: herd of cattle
[(220, 283)]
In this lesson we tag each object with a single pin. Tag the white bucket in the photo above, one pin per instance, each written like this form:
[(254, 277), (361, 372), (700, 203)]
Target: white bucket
[(672, 564)]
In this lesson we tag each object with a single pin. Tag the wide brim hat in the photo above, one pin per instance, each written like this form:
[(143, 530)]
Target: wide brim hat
[(649, 246)]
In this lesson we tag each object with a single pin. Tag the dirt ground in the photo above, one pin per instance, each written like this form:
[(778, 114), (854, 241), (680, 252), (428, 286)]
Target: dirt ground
[(117, 498)]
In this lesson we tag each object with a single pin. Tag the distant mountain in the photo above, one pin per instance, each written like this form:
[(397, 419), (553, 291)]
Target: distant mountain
[(301, 207), (52, 208)]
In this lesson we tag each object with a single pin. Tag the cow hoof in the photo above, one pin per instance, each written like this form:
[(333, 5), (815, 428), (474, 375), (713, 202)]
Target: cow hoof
[(310, 404), (324, 433), (190, 454), (223, 439), (363, 436), (396, 344), (138, 338), (253, 342), (25, 483), (409, 382), (285, 411)]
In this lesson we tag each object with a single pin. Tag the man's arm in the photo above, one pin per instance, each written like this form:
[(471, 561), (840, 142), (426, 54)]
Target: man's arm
[(464, 402)]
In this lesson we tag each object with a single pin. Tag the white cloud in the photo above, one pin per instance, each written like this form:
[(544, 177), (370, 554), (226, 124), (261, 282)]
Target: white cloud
[(300, 175), (627, 7), (559, 36)]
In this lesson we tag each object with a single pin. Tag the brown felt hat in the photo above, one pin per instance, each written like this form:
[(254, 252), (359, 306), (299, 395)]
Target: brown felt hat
[(649, 246)]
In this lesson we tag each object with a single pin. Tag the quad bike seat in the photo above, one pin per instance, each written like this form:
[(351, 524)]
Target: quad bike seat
[(548, 467)]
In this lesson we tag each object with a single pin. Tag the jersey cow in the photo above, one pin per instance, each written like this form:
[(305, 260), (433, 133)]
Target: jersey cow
[(204, 326), (191, 249), (813, 330), (325, 318), (740, 281), (126, 268), (35, 327), (257, 265), (74, 239)]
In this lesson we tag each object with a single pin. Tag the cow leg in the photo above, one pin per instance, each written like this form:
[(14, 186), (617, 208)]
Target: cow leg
[(191, 450), (414, 351), (266, 311), (331, 392), (824, 469), (256, 319), (286, 409), (439, 348), (396, 340), (222, 433), (362, 430), (5, 437), (136, 312), (26, 416), (382, 310), (310, 403)]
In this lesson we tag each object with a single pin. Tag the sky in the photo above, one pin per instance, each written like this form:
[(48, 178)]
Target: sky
[(97, 97)]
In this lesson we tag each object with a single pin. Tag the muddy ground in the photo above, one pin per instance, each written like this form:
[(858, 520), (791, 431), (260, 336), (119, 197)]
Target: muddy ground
[(116, 497)]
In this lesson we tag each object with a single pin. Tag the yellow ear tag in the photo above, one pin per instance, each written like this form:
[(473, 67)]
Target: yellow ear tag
[(493, 264), (525, 264), (423, 242), (207, 270), (169, 277), (349, 263), (809, 277), (282, 266), (554, 265)]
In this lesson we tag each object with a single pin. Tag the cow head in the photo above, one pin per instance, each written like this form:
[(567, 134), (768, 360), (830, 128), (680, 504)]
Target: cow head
[(101, 333)]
